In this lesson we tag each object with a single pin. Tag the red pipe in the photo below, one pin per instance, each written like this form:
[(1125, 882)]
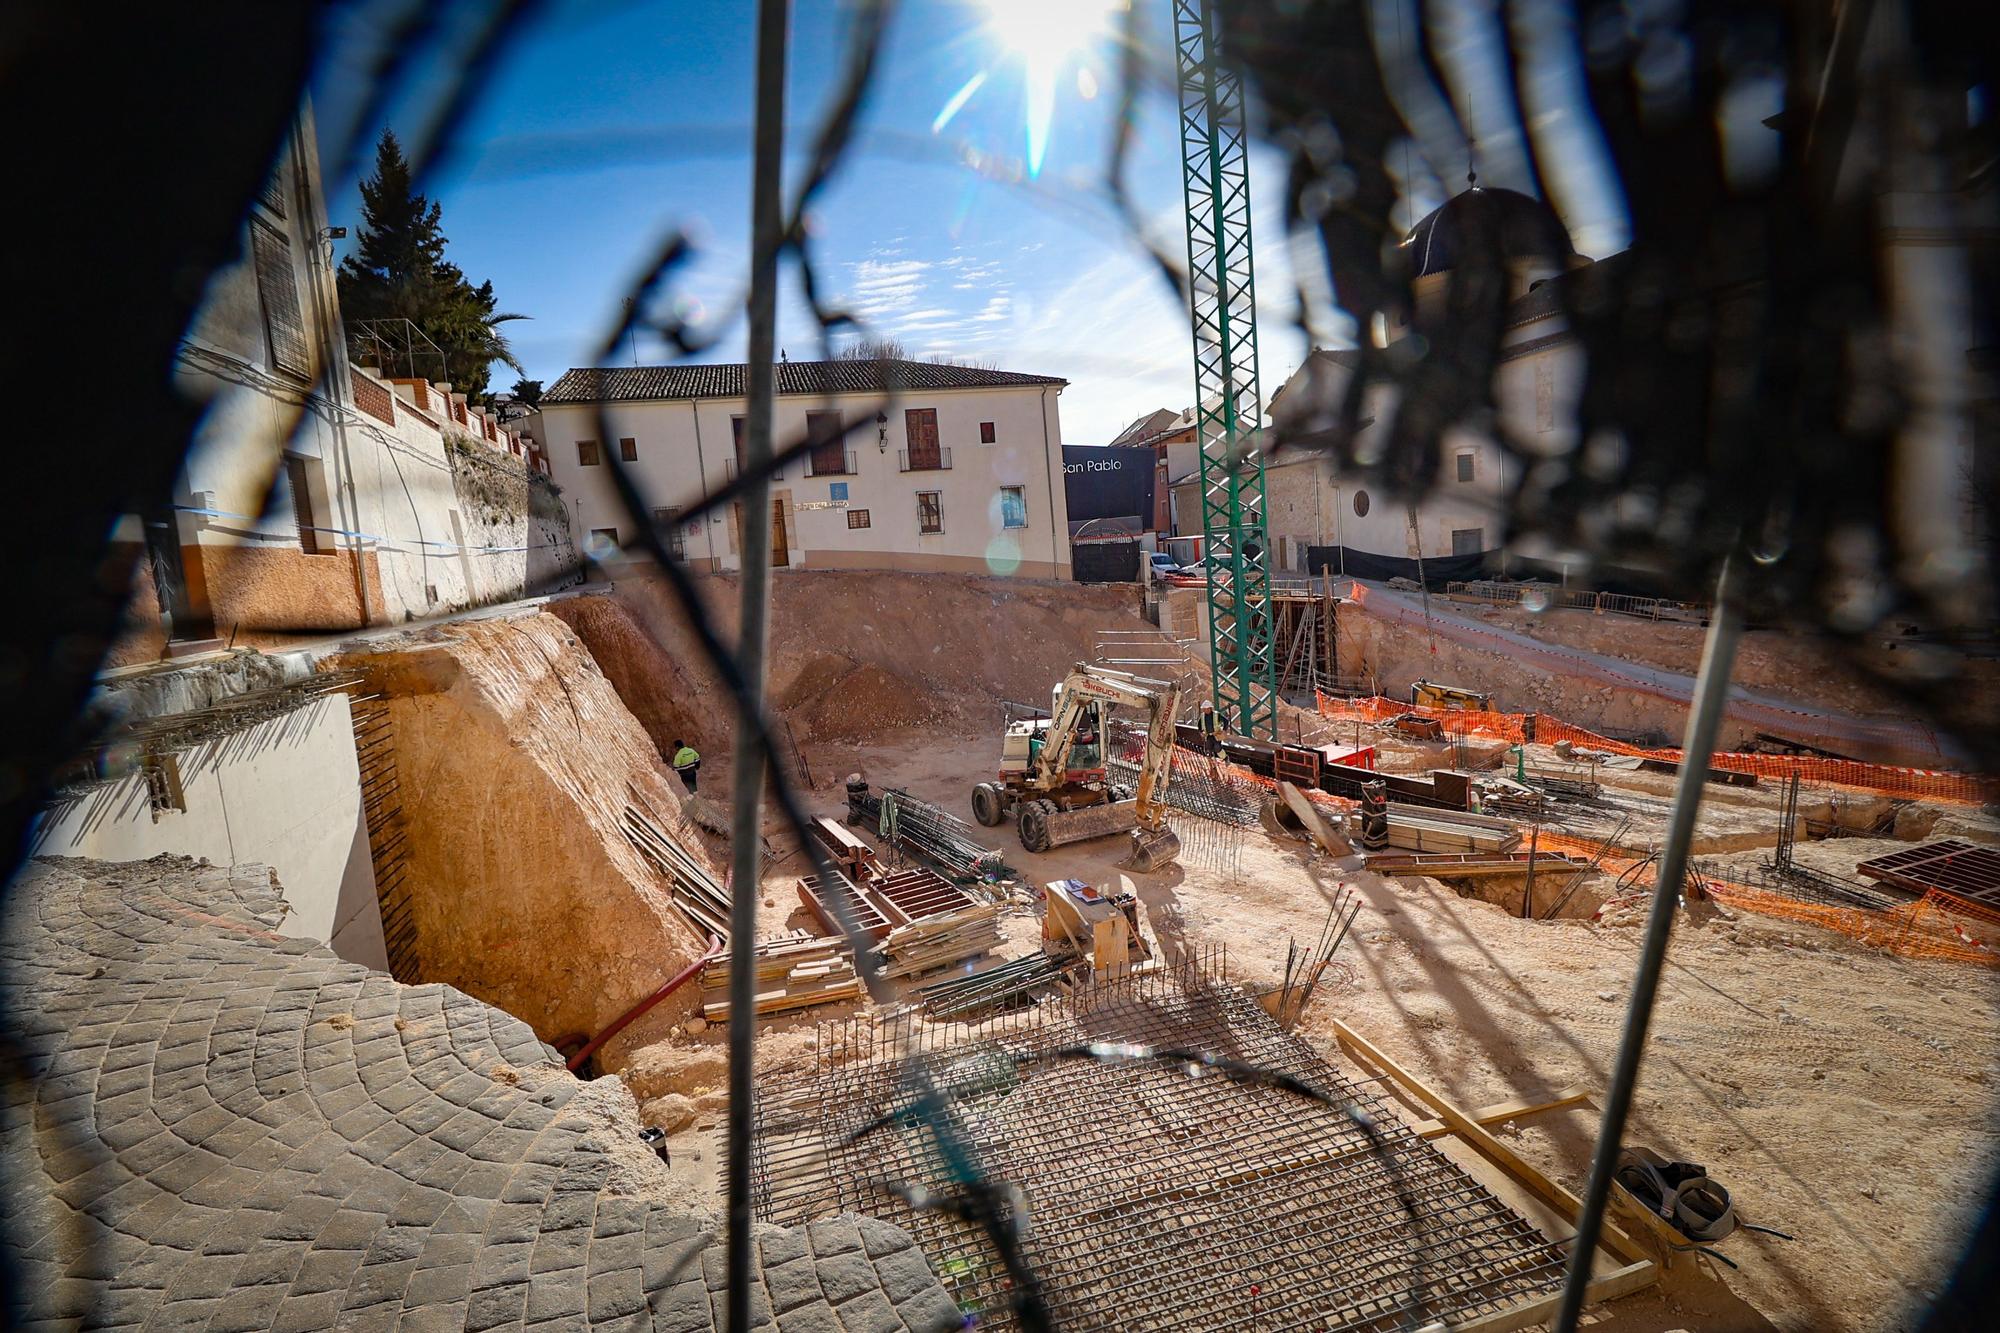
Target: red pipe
[(715, 947)]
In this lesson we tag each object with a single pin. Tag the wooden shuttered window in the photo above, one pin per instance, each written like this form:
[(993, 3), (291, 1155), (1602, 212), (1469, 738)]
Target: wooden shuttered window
[(920, 429), (278, 293)]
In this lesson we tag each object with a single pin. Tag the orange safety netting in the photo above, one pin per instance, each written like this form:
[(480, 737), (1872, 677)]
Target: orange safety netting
[(1938, 925), (1881, 779)]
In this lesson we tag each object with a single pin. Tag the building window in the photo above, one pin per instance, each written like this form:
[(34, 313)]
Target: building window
[(829, 444), (1465, 467), (278, 293), (586, 453), (1361, 504), (736, 431), (857, 518), (162, 774), (667, 522), (920, 431), (296, 481), (628, 450), (603, 543), (1468, 541), (1013, 507), (930, 511), (272, 196), (987, 433)]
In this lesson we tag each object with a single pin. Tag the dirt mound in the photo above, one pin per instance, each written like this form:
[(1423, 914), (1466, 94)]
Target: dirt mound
[(869, 701), (858, 653)]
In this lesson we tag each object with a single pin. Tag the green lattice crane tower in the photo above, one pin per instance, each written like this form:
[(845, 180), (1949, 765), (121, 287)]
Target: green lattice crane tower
[(1229, 408)]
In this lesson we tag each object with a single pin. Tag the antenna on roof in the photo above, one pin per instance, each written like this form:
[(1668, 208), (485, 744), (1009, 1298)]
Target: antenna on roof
[(1471, 147), (781, 354)]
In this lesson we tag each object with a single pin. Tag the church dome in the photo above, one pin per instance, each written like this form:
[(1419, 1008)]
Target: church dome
[(1526, 228)]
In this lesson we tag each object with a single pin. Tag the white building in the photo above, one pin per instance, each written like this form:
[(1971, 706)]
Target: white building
[(1536, 379), (954, 469), (320, 497)]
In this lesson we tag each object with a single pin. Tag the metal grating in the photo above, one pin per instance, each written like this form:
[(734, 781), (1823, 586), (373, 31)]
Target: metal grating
[(1152, 1198), (1953, 865)]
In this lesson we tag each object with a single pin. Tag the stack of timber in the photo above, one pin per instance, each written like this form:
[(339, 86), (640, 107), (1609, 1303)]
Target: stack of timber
[(793, 972), (1578, 780), (1422, 830), (698, 894), (943, 940)]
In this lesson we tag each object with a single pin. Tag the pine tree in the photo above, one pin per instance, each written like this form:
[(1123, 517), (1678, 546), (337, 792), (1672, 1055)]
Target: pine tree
[(399, 271)]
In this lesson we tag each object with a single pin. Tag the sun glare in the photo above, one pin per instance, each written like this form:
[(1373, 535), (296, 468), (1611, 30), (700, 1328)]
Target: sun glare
[(1047, 35), (1050, 31)]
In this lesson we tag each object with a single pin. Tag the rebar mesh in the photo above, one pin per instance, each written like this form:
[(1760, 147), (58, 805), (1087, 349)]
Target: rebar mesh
[(1149, 1197)]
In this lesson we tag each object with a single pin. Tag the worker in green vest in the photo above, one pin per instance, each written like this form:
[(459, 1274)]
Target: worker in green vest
[(1210, 726), (686, 763)]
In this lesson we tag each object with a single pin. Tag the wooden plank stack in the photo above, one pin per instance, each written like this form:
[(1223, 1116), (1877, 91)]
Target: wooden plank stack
[(1420, 830), (921, 922), (793, 972), (944, 940)]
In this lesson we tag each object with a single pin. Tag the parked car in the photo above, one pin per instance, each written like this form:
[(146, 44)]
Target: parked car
[(1162, 563)]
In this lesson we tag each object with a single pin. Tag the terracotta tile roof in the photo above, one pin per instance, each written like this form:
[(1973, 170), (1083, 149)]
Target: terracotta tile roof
[(613, 384)]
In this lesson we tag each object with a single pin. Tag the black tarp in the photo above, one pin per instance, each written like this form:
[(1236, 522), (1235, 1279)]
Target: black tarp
[(1109, 482), (1104, 562), (1442, 569), (1438, 569)]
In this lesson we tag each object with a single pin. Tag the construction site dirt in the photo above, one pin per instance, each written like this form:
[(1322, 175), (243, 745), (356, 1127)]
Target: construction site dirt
[(1840, 1091)]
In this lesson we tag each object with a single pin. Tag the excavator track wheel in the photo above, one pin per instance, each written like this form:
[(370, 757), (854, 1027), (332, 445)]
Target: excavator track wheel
[(988, 806)]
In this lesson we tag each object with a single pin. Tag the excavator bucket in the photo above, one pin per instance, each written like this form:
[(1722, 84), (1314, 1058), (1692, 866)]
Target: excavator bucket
[(1152, 849)]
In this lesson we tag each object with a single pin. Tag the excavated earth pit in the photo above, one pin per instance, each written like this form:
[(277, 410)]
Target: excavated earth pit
[(529, 739)]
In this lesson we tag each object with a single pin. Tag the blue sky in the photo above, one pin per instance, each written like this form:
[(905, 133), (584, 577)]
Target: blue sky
[(609, 123)]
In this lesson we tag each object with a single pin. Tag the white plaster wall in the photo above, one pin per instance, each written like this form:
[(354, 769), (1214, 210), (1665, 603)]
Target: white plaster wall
[(1535, 394), (285, 793), (686, 449)]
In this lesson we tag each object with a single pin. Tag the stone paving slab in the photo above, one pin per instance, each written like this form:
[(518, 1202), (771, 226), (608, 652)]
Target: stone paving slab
[(223, 1128)]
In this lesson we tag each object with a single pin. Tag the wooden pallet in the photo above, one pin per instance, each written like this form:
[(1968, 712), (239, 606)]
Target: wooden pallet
[(913, 894), (820, 898)]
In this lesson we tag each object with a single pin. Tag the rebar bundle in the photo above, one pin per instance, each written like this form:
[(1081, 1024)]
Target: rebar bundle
[(1194, 785), (1008, 986), (929, 832), (1305, 967)]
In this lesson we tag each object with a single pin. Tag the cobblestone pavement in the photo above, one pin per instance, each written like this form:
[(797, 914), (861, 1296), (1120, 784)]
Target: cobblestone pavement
[(208, 1125)]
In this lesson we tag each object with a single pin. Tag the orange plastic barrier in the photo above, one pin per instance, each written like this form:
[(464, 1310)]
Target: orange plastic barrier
[(1510, 727), (1938, 926), (1881, 779)]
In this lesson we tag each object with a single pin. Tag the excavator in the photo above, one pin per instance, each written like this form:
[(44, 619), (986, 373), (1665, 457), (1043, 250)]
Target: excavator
[(1052, 770)]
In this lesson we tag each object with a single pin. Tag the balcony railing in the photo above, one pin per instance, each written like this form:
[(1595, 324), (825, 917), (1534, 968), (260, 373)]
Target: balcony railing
[(924, 462), (844, 468), (729, 470)]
